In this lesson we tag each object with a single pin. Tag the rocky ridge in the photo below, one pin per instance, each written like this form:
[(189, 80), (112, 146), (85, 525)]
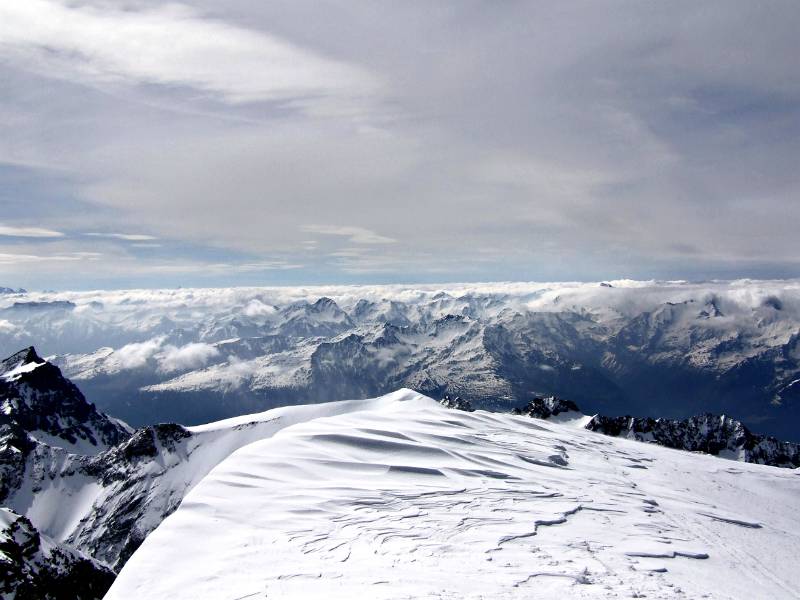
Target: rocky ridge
[(719, 435)]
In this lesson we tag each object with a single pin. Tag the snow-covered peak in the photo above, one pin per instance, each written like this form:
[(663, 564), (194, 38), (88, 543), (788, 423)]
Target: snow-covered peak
[(322, 318), (8, 290), (37, 401), (24, 361)]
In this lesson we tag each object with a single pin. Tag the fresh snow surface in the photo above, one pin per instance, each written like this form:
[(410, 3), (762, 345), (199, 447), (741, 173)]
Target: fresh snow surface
[(572, 417), (20, 369), (399, 497), (70, 506)]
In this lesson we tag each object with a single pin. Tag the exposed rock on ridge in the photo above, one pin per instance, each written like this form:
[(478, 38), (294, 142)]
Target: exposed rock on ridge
[(719, 435), (544, 408), (713, 434)]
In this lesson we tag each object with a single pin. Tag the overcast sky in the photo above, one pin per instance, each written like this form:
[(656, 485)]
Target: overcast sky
[(239, 142)]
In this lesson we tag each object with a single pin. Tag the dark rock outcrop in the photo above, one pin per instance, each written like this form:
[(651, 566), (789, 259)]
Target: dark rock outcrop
[(711, 434), (456, 402), (544, 408), (47, 429)]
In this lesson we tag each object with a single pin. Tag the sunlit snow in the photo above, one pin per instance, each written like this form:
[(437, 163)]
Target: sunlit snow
[(401, 498)]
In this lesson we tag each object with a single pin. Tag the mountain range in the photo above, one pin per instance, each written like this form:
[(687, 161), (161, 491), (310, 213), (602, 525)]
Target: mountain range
[(650, 349)]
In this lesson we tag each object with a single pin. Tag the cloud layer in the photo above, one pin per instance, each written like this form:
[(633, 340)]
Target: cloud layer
[(289, 142), (165, 358), (169, 45)]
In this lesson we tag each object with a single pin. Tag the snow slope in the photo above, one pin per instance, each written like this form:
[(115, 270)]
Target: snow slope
[(399, 497)]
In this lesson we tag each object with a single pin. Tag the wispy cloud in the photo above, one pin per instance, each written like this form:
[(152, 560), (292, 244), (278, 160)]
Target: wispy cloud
[(29, 232), (355, 235), (169, 45), (220, 267), (128, 237), (12, 259)]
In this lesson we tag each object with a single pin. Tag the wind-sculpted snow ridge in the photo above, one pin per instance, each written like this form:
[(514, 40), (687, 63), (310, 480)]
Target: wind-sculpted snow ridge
[(107, 504), (660, 349), (104, 504), (404, 498)]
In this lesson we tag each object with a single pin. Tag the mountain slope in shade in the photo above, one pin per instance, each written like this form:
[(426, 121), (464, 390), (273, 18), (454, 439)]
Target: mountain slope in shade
[(401, 497), (35, 567)]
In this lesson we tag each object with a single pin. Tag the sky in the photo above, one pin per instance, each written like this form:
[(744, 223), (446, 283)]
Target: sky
[(148, 144)]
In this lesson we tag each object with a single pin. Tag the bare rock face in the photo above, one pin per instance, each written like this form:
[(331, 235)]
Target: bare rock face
[(41, 412), (52, 439), (47, 429), (54, 446)]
